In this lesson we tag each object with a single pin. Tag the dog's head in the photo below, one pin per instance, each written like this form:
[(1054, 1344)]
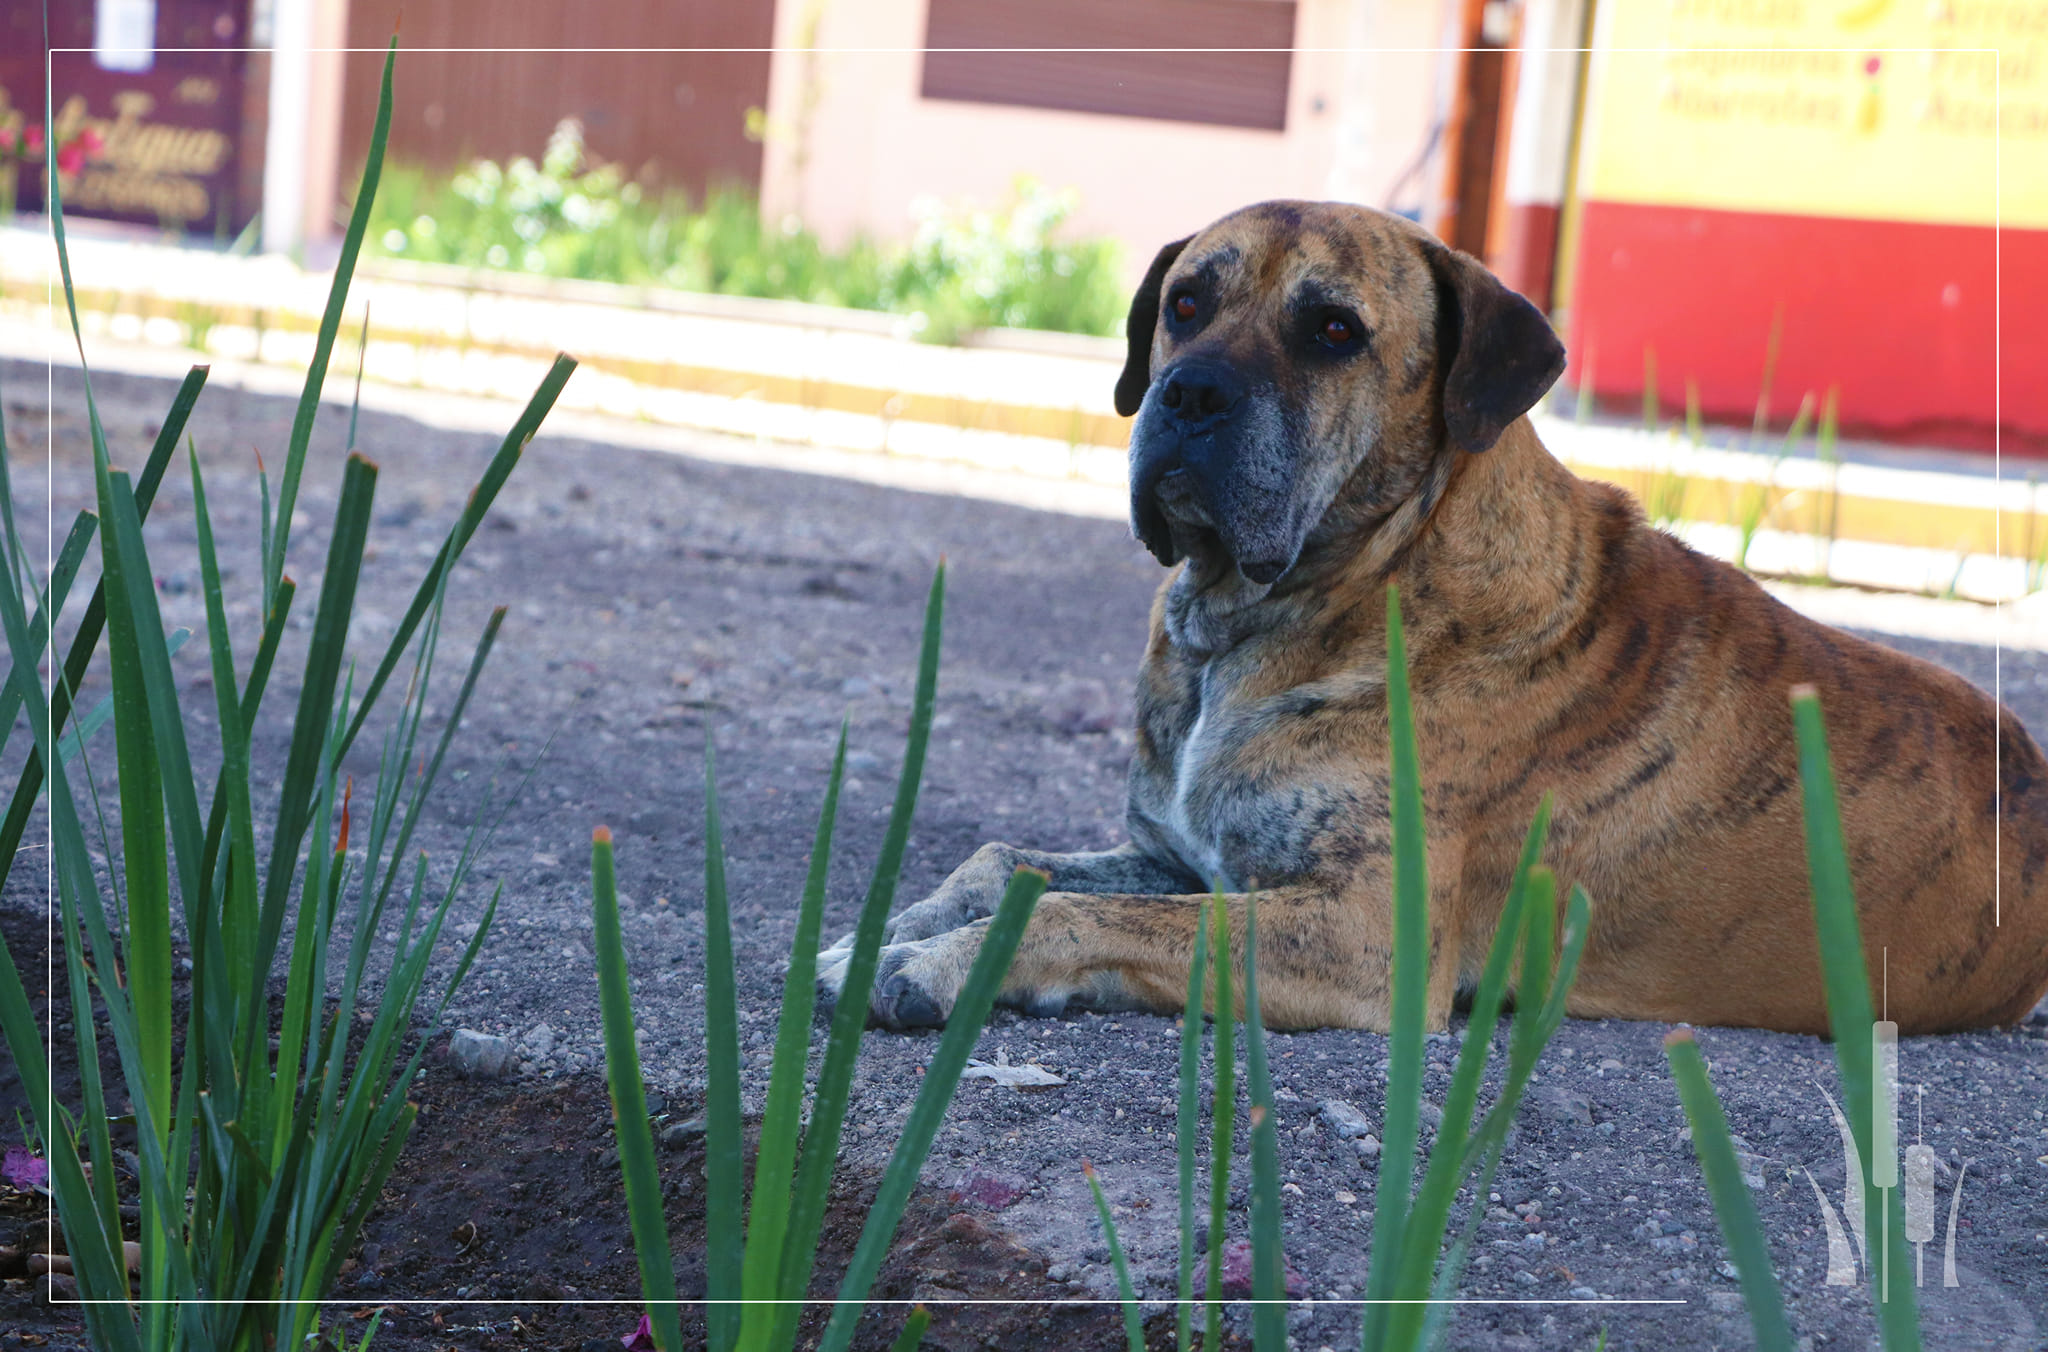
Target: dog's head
[(1288, 345)]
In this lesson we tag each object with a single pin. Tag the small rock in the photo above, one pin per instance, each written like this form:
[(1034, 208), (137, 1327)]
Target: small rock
[(1561, 1105), (676, 1135), (1525, 1278), (538, 1042), (1368, 1147), (1724, 1302), (1584, 1293), (1345, 1198), (853, 687), (1608, 1064), (481, 1056), (1727, 1270), (1345, 1121)]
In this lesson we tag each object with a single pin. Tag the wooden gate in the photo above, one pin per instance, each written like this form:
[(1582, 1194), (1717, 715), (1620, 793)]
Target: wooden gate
[(676, 118)]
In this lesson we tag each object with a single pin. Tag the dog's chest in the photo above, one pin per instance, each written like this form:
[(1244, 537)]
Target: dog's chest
[(1227, 793)]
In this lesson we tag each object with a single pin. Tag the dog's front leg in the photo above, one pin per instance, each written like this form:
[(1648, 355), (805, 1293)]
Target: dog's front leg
[(1324, 960), (973, 890)]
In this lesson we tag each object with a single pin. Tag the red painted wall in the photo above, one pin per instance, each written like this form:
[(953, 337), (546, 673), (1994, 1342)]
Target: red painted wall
[(1902, 316)]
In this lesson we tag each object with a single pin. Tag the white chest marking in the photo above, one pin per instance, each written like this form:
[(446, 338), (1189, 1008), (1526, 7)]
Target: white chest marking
[(1192, 840)]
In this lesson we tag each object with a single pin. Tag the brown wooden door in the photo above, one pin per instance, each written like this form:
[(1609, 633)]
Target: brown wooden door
[(672, 117)]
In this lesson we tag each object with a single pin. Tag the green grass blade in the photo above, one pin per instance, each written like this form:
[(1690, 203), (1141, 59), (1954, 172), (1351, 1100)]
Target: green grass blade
[(83, 730), (724, 1178), (1222, 1120), (1269, 1280), (144, 844), (1187, 1121), (842, 1047), (1410, 979), (963, 1027), (1527, 1035), (330, 325), (13, 694), (1134, 1324), (1732, 1206), (913, 1331), (1447, 1158), (775, 1160), (1846, 974), (322, 674), (1572, 943), (479, 503), (250, 700), (629, 1103)]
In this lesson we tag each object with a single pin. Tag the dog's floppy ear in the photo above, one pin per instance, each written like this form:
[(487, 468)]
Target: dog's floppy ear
[(1497, 352), (1138, 327)]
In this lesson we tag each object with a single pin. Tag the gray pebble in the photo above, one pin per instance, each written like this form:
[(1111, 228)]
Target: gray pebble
[(1344, 1121), (480, 1056)]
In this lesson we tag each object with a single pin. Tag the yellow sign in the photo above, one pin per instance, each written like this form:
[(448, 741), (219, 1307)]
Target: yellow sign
[(1901, 110)]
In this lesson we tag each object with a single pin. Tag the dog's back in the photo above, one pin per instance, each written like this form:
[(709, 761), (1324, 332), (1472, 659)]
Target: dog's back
[(1944, 800)]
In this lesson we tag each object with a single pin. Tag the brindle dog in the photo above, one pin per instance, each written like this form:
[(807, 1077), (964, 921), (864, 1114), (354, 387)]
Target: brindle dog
[(1328, 399)]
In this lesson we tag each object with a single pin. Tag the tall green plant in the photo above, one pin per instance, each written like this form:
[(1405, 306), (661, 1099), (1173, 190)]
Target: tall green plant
[(259, 1161), (757, 1294)]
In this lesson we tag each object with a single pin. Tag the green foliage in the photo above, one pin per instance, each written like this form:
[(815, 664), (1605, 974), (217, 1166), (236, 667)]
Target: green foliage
[(259, 1157), (1732, 1207), (965, 267), (756, 1291)]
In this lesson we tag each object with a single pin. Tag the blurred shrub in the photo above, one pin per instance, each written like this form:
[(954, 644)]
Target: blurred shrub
[(965, 267)]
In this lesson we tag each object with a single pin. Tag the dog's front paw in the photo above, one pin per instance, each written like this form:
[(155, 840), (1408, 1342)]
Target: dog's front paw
[(913, 987), (915, 983), (939, 914)]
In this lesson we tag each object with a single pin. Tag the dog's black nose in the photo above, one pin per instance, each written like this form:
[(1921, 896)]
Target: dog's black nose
[(1201, 392)]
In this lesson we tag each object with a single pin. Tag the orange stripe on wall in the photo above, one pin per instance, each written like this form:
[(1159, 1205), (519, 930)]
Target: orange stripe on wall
[(1900, 315)]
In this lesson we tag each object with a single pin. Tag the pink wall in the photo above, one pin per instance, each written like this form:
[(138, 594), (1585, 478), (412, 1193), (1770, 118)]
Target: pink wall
[(1356, 119)]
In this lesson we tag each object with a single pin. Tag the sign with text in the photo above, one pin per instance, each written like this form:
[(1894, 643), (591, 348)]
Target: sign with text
[(151, 121), (1904, 110)]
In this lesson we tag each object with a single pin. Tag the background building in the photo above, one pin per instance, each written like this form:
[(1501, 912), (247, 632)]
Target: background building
[(1729, 200)]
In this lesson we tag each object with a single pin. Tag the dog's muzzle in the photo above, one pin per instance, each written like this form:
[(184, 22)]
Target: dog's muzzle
[(1196, 453)]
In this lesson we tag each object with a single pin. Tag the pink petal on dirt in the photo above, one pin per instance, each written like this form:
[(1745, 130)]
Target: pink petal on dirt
[(992, 1190), (641, 1339), (1237, 1272), (24, 1170)]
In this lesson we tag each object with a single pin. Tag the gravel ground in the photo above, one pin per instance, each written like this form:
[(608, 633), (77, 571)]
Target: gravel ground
[(654, 598)]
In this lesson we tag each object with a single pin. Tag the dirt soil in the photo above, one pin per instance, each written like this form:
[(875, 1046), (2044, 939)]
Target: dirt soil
[(655, 599)]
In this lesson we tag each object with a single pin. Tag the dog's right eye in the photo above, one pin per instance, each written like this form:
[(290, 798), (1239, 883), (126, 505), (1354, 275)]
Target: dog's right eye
[(1185, 308)]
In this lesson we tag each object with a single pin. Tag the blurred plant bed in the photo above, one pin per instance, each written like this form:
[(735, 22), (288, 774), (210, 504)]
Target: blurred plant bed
[(966, 267)]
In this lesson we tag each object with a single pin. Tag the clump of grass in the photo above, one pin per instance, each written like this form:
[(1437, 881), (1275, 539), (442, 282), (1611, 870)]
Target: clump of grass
[(2035, 547), (759, 1271), (1412, 1274), (1759, 498), (259, 1158), (1825, 449), (965, 268)]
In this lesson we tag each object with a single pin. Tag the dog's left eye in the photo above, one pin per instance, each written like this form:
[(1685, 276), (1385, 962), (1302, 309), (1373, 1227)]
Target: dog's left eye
[(1337, 332)]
